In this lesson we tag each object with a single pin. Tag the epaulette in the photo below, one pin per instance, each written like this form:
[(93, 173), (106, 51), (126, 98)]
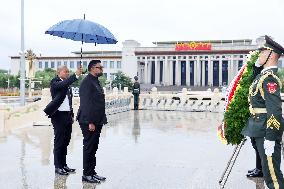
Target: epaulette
[(263, 77)]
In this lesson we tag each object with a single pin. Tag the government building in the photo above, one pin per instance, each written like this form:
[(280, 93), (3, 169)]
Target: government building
[(181, 63)]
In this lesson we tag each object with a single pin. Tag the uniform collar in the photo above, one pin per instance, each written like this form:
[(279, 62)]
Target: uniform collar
[(268, 68)]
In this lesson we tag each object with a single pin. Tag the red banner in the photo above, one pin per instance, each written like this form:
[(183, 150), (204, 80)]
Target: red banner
[(193, 46)]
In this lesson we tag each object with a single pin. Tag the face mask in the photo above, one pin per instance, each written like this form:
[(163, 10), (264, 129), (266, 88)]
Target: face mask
[(257, 64)]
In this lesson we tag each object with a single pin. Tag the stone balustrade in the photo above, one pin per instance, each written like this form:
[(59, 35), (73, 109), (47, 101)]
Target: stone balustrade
[(185, 101), (32, 113)]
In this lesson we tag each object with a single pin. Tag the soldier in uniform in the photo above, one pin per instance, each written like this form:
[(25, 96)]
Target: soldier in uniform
[(265, 123), (257, 171), (136, 92)]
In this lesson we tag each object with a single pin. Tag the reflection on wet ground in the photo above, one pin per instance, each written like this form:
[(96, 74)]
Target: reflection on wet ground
[(138, 149)]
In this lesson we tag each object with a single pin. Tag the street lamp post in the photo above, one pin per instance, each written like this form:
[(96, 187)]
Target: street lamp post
[(8, 79), (8, 83), (30, 88), (22, 64)]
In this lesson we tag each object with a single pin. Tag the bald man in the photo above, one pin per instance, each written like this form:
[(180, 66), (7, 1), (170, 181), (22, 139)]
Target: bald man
[(61, 114)]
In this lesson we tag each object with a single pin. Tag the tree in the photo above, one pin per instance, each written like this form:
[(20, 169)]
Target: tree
[(77, 83), (13, 80), (3, 71), (3, 79), (45, 77), (121, 78), (281, 77), (103, 80), (30, 56)]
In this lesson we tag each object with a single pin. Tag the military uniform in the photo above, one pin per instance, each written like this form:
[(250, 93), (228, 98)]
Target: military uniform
[(265, 123), (257, 172), (136, 92)]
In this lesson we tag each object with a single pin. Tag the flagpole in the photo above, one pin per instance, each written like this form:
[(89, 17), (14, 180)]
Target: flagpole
[(22, 62)]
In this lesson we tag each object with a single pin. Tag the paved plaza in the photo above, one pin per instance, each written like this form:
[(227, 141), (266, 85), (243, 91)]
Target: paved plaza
[(138, 150)]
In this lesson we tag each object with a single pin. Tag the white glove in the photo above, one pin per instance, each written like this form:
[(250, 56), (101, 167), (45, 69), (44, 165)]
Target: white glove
[(269, 147)]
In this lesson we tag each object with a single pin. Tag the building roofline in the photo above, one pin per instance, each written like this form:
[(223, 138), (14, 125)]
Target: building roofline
[(71, 57), (204, 41), (97, 52), (192, 52)]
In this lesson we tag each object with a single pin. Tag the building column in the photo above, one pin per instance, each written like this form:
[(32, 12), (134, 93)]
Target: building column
[(139, 71), (166, 72), (163, 71), (146, 72), (231, 69), (210, 72), (171, 72), (195, 73), (187, 72), (203, 73), (220, 71), (177, 73), (198, 62), (157, 71), (236, 63)]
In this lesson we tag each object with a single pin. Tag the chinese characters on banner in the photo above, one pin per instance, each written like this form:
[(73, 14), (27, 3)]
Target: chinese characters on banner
[(193, 46)]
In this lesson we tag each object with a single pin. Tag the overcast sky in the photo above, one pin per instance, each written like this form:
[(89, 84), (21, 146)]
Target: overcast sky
[(142, 20)]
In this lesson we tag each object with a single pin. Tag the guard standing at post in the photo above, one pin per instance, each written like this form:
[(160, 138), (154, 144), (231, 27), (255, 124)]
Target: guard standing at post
[(257, 171), (265, 123), (136, 92)]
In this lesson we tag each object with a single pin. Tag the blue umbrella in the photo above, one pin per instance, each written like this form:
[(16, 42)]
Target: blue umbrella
[(82, 30)]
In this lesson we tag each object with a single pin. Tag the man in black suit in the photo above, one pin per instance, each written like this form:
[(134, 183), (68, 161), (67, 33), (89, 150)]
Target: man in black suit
[(61, 113), (91, 117)]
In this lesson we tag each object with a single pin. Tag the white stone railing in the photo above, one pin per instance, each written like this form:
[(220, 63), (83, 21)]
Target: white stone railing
[(185, 101), (33, 113), (189, 101), (118, 102)]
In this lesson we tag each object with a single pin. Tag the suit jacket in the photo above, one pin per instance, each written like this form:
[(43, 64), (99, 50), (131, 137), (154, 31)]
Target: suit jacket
[(59, 89), (92, 102)]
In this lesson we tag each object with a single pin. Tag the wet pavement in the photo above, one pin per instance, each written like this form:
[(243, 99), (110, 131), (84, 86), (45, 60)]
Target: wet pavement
[(138, 150)]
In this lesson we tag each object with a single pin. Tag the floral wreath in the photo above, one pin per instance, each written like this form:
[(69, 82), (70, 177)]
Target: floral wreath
[(236, 109)]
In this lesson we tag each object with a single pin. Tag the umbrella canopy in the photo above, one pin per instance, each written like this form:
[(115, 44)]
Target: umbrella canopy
[(82, 30)]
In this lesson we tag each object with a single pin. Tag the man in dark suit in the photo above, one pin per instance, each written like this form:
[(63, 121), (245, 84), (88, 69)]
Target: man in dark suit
[(91, 117), (61, 113)]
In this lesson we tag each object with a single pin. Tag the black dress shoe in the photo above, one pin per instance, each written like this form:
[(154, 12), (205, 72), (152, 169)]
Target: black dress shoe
[(90, 179), (69, 170), (252, 170), (255, 173), (100, 178), (61, 171)]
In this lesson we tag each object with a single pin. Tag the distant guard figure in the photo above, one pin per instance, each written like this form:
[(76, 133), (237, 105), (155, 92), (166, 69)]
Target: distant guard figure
[(136, 92), (265, 123)]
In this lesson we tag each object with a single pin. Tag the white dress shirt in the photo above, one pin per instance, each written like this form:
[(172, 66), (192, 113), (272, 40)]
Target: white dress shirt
[(65, 104), (64, 107)]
